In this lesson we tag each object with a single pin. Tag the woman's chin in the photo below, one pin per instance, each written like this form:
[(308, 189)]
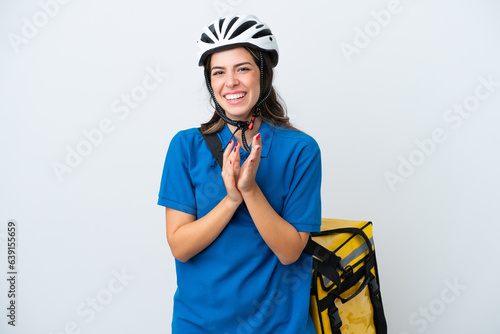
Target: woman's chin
[(238, 114)]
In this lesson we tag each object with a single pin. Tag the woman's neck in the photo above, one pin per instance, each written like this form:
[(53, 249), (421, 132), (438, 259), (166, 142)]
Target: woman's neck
[(249, 134)]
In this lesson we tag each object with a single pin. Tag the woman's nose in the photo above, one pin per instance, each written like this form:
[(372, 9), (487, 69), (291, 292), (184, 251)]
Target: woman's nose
[(232, 80)]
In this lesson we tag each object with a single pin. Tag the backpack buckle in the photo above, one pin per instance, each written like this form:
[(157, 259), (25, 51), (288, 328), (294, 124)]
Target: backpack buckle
[(347, 272), (335, 321), (374, 288)]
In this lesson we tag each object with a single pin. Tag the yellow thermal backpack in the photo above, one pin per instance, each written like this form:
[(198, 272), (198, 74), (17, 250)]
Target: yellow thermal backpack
[(345, 293)]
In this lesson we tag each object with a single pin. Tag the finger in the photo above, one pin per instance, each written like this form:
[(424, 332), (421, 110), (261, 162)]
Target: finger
[(248, 170), (230, 173), (227, 152), (234, 151), (257, 139), (228, 148), (256, 146), (235, 156), (230, 170), (230, 182)]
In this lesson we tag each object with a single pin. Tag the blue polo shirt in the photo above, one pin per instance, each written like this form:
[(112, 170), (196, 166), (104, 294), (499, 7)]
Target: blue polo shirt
[(237, 284)]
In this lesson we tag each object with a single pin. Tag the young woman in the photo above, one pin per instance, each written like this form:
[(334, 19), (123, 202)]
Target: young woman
[(238, 233)]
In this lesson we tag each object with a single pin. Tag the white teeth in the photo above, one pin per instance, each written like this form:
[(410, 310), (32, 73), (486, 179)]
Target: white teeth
[(235, 96)]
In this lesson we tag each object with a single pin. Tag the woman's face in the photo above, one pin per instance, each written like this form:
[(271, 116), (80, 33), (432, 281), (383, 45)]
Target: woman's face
[(235, 79)]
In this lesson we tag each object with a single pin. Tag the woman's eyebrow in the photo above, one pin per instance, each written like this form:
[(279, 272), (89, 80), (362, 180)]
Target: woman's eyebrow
[(244, 63), (236, 65)]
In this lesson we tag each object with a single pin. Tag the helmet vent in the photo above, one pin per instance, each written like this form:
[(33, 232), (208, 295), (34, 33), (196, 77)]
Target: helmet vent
[(212, 29), (221, 22), (244, 27), (230, 25), (262, 33), (206, 39)]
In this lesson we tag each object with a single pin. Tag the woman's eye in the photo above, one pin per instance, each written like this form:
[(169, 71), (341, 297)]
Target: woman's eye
[(216, 73), (243, 69)]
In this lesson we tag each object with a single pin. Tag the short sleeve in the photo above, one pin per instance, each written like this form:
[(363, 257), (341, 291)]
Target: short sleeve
[(176, 188), (302, 207)]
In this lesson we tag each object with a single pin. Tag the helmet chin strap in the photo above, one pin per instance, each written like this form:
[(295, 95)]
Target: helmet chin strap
[(241, 125)]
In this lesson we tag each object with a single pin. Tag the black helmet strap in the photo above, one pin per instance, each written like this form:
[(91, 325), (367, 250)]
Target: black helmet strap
[(241, 125)]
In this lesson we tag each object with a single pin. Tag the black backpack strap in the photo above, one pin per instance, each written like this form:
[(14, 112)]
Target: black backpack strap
[(329, 261), (322, 253), (333, 312), (214, 145), (378, 309)]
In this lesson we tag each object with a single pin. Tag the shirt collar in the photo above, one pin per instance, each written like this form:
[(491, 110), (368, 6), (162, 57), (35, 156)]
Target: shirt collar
[(266, 131)]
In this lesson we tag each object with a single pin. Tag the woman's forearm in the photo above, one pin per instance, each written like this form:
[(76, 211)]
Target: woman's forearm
[(187, 236), (281, 237)]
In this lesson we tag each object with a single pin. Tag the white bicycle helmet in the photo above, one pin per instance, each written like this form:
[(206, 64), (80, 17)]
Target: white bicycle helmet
[(237, 30)]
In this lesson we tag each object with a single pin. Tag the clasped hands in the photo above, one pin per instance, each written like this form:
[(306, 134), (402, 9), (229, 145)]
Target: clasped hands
[(240, 179)]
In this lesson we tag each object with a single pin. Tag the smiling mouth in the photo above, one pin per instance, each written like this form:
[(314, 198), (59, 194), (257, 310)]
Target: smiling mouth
[(233, 97)]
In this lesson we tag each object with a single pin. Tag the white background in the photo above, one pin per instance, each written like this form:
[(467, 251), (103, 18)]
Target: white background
[(66, 73)]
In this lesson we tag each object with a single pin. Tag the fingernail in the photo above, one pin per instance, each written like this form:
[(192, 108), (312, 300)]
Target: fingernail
[(258, 148), (251, 160), (258, 137), (235, 147), (230, 162), (231, 141)]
